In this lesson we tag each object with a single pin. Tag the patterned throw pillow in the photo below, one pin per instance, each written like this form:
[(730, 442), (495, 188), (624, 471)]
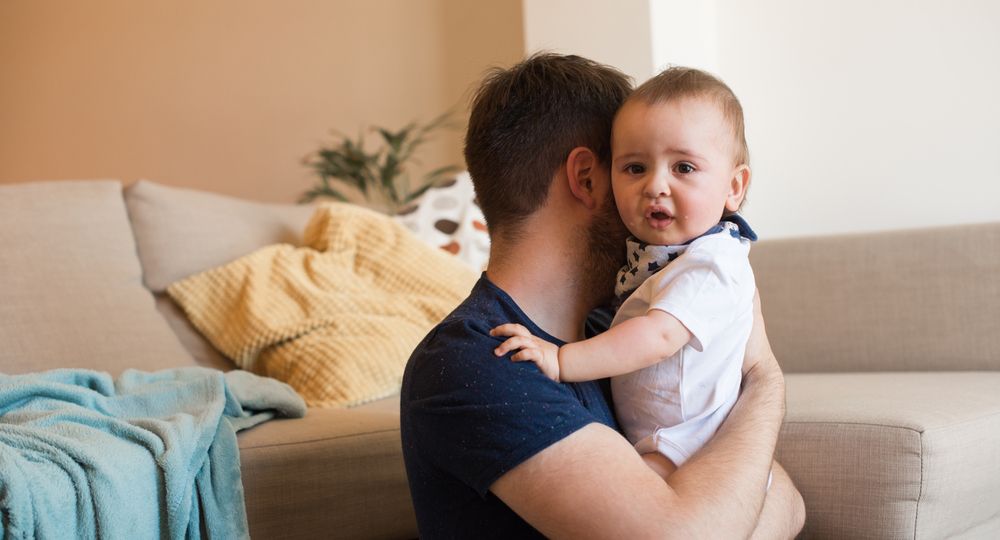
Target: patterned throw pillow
[(447, 216)]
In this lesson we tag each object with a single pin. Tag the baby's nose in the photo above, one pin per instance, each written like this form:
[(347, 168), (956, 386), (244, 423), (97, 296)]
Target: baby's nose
[(657, 187)]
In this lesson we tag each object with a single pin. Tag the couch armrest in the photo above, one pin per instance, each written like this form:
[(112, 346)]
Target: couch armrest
[(896, 301), (894, 455)]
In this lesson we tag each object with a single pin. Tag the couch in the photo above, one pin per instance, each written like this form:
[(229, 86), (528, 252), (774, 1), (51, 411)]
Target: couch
[(891, 347), (890, 342)]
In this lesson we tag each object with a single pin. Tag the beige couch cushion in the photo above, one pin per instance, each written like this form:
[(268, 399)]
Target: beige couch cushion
[(339, 472), (181, 232), (896, 301), (895, 455), (197, 346), (71, 292)]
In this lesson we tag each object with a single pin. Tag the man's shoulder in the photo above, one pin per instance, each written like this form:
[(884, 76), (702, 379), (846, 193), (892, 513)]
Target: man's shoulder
[(458, 329), (458, 352), (466, 328), (454, 345)]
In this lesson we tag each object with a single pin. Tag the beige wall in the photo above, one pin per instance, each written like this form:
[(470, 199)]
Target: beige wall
[(614, 33), (862, 115), (229, 95), (867, 115)]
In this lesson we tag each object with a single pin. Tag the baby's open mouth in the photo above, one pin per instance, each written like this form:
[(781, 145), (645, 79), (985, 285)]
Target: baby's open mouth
[(659, 217)]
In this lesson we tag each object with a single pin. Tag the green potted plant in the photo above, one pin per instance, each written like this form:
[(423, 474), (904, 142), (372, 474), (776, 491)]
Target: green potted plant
[(381, 176)]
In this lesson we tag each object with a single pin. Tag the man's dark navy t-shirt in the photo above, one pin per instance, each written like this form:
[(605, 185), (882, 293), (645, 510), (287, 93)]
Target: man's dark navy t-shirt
[(468, 416)]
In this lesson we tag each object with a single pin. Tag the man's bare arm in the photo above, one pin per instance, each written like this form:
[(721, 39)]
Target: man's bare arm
[(784, 512), (593, 483)]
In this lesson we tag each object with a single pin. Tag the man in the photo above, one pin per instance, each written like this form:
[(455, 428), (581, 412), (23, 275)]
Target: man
[(493, 448)]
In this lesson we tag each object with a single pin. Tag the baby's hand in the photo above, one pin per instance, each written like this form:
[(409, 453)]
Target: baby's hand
[(537, 350)]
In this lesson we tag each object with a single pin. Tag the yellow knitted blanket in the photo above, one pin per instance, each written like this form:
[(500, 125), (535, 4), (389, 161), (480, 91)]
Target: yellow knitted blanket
[(336, 319)]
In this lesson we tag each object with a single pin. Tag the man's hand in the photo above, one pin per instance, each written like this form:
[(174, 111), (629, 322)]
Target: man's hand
[(534, 349)]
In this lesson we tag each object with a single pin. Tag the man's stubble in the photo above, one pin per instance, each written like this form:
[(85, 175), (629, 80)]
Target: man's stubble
[(605, 254)]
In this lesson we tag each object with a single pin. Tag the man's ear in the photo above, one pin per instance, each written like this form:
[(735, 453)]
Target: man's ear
[(738, 188), (581, 166)]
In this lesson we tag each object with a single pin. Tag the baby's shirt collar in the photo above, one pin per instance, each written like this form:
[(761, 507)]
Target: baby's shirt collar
[(643, 260)]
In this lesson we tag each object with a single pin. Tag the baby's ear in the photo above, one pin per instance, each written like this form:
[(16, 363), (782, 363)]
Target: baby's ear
[(738, 186)]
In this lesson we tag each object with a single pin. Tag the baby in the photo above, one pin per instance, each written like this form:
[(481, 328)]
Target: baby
[(679, 172)]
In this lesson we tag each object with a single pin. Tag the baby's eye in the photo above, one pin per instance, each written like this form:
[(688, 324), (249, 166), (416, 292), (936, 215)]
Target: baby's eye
[(684, 168), (635, 168)]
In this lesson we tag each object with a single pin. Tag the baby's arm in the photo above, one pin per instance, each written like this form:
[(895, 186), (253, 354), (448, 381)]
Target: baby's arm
[(634, 344)]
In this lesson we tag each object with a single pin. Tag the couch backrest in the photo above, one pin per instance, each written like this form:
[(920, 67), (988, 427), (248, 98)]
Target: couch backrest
[(71, 292), (909, 300), (180, 232)]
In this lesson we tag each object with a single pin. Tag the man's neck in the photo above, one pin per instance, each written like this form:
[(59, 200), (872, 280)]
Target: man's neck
[(545, 283)]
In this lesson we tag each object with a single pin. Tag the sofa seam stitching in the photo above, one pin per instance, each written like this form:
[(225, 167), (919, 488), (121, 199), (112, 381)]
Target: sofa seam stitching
[(318, 440), (831, 422), (918, 430), (920, 494)]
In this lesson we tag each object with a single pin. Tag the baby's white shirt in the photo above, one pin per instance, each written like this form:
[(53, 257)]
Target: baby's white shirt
[(675, 406)]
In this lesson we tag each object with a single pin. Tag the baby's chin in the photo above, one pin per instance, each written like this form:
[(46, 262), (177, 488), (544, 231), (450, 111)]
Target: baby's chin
[(657, 237), (655, 240)]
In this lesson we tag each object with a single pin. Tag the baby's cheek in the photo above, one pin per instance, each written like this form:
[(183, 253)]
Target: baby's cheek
[(633, 225)]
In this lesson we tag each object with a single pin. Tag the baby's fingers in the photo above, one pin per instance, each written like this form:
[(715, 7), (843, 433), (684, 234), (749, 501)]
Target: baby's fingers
[(533, 355), (511, 344), (510, 329)]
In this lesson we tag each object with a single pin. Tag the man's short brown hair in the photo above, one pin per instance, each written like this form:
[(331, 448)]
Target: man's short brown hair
[(524, 123)]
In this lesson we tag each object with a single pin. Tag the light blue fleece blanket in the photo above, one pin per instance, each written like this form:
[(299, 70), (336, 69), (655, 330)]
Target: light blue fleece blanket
[(150, 455)]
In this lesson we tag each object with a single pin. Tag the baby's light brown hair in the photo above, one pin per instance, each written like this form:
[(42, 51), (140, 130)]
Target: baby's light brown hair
[(678, 82)]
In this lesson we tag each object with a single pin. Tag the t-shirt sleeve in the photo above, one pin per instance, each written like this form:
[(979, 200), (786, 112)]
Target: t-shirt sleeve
[(705, 288), (476, 415)]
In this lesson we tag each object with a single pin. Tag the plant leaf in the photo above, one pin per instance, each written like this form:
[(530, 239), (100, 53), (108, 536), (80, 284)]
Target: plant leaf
[(380, 175), (413, 195), (319, 192), (441, 172)]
